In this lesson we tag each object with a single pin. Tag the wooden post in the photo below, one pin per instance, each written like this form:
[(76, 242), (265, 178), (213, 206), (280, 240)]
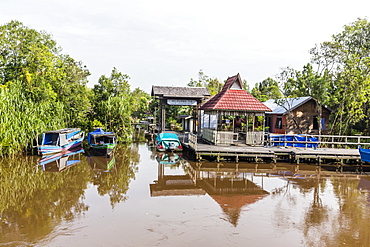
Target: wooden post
[(163, 116)]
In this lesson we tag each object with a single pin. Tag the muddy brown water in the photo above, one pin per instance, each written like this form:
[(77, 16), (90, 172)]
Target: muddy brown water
[(142, 198)]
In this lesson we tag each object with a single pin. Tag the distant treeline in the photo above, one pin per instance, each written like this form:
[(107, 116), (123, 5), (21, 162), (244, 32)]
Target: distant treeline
[(42, 89)]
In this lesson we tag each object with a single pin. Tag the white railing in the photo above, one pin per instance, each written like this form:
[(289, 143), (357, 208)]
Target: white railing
[(256, 138), (220, 137), (322, 140), (193, 140)]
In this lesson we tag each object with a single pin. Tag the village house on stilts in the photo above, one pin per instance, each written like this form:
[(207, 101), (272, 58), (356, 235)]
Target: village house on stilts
[(233, 116)]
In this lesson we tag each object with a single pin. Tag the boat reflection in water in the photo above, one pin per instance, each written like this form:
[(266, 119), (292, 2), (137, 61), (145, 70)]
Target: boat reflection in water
[(101, 163), (61, 161), (173, 184), (168, 158)]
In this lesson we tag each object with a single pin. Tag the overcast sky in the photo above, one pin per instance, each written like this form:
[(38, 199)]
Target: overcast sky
[(167, 42)]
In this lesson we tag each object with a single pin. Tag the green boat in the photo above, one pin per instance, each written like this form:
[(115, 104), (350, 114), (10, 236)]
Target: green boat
[(101, 143)]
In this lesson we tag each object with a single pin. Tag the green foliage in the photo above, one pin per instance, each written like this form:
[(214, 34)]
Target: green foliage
[(41, 89), (114, 104), (267, 89), (213, 85), (346, 59), (140, 104)]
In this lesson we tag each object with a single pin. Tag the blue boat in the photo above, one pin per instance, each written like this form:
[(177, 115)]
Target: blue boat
[(168, 142), (101, 142), (364, 154), (60, 161), (60, 140)]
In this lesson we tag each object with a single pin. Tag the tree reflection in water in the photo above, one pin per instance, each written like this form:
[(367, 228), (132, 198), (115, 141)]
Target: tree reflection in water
[(33, 203), (114, 183)]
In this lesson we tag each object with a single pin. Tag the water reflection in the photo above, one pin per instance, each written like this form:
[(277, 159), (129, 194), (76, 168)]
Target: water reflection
[(203, 203), (34, 203), (101, 163), (173, 184), (61, 161), (168, 158), (230, 188)]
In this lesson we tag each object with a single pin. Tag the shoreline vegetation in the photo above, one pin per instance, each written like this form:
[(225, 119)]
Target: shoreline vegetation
[(42, 88)]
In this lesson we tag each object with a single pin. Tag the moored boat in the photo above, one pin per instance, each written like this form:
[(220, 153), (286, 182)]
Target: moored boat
[(101, 142), (364, 154), (60, 140), (168, 142)]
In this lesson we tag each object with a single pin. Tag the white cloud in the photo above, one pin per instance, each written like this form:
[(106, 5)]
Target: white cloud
[(166, 42)]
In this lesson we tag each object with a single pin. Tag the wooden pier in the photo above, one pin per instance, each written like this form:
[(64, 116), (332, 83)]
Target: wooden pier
[(237, 152)]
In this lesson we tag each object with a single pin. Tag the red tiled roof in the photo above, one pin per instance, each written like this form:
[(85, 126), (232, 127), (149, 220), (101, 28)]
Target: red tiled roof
[(234, 99)]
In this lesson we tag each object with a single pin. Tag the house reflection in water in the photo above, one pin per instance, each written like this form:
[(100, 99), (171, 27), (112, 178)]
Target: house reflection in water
[(230, 189), (61, 161)]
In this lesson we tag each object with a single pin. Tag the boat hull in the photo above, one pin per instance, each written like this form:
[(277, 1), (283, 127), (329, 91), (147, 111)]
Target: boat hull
[(365, 154), (101, 150), (50, 149), (101, 143)]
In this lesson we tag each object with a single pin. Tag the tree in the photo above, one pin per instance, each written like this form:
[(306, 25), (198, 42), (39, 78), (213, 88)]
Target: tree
[(140, 104), (309, 83), (114, 103), (346, 58), (267, 89), (40, 88), (213, 85)]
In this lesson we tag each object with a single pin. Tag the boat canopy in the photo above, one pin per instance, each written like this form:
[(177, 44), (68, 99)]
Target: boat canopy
[(99, 132), (167, 136)]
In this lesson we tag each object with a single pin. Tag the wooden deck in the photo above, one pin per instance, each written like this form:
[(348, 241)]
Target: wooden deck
[(290, 154)]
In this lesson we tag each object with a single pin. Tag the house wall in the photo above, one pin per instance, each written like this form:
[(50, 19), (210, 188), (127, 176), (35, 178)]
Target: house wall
[(272, 124), (304, 117)]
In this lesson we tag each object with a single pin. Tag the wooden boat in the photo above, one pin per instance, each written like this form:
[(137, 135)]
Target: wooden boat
[(364, 154), (60, 161), (60, 140), (101, 142), (168, 142)]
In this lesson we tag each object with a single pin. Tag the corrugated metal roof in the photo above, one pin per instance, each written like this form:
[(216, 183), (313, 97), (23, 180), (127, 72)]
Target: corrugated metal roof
[(195, 92), (234, 99), (286, 105)]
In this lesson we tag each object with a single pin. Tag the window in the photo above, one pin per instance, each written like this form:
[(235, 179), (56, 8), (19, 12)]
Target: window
[(315, 123), (279, 122)]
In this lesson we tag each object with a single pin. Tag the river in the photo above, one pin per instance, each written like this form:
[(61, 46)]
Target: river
[(142, 198)]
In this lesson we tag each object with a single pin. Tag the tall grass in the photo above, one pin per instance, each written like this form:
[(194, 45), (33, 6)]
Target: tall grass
[(21, 119)]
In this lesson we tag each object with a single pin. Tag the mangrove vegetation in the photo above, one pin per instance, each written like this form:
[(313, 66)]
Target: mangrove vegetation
[(42, 89)]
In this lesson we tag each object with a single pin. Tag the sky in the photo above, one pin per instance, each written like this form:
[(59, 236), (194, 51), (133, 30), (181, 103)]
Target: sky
[(167, 42)]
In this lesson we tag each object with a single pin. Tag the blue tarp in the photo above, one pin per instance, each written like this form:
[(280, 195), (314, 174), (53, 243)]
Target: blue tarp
[(288, 140)]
